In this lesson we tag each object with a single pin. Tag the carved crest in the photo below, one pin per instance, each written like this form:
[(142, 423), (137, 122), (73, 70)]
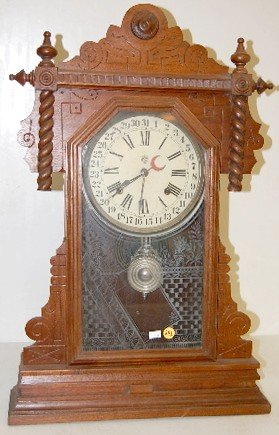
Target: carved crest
[(143, 43)]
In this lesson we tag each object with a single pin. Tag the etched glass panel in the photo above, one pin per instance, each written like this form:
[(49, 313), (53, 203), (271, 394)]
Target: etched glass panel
[(115, 316)]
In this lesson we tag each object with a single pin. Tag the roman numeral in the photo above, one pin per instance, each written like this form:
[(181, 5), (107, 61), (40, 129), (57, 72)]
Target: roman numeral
[(171, 188), (111, 171), (145, 138), (114, 186), (117, 155), (162, 202), (173, 156), (178, 173), (164, 140), (143, 206), (127, 201), (128, 141)]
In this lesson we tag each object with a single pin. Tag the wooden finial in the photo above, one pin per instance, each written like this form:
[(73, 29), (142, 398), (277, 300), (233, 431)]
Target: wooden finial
[(46, 51), (240, 57), (22, 77), (262, 86)]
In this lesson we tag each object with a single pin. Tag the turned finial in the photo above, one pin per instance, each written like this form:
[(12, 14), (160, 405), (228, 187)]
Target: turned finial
[(240, 57), (46, 51), (262, 86), (22, 77)]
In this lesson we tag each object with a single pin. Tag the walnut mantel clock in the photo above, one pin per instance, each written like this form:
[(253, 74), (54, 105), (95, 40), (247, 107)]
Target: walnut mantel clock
[(140, 320)]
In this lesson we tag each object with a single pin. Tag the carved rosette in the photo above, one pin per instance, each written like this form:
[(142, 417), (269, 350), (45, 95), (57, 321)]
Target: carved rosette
[(231, 323), (46, 78), (145, 24), (48, 330)]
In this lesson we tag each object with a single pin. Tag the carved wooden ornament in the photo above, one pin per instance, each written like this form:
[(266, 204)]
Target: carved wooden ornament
[(142, 66)]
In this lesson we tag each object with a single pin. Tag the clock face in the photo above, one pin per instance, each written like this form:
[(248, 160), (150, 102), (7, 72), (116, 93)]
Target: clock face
[(143, 174)]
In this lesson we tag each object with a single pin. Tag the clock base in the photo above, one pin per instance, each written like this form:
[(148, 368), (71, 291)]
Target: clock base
[(221, 387)]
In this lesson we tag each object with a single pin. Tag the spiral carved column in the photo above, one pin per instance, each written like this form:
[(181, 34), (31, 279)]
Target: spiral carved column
[(45, 145), (45, 80), (238, 122), (241, 89)]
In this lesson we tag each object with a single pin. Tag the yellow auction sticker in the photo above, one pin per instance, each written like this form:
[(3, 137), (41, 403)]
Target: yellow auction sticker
[(168, 333)]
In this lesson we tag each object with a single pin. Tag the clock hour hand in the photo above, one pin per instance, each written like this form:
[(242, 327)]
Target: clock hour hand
[(144, 172), (127, 182), (141, 195), (124, 184)]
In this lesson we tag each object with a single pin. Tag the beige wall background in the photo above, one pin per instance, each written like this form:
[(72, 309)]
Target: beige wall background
[(31, 222)]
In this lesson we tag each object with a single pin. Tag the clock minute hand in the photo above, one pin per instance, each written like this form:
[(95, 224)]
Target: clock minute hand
[(142, 201)]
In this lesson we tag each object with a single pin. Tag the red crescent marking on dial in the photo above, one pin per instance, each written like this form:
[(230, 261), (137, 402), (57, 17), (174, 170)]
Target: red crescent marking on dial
[(153, 165)]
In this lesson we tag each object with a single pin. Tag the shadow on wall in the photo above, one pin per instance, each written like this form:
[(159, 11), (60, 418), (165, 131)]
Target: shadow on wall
[(62, 53)]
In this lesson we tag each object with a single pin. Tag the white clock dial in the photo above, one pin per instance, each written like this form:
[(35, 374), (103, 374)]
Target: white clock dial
[(143, 174)]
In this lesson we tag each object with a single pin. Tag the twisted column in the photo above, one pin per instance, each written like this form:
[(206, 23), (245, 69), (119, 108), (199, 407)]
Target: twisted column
[(241, 89), (236, 154), (45, 145), (45, 79), (243, 86)]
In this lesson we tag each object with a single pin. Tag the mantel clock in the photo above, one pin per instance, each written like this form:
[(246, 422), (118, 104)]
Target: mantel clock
[(140, 321)]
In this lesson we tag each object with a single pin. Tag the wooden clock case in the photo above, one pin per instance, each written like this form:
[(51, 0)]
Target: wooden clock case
[(142, 64)]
